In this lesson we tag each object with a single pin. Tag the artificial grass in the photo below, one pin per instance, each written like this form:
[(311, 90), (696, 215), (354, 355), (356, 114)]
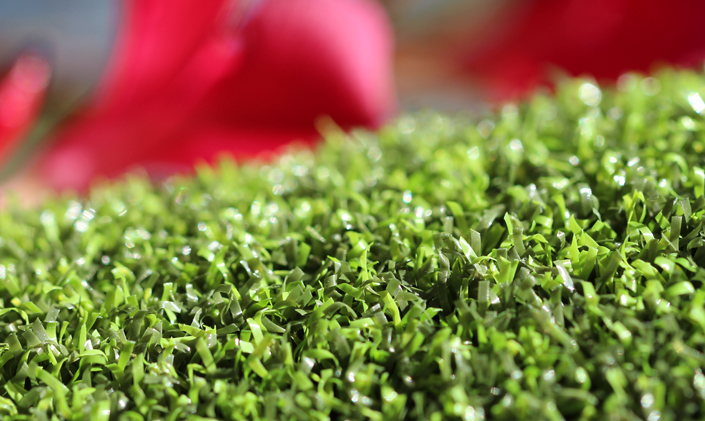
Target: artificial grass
[(544, 263)]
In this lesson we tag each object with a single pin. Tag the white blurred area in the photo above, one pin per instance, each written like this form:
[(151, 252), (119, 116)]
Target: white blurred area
[(75, 36), (426, 31)]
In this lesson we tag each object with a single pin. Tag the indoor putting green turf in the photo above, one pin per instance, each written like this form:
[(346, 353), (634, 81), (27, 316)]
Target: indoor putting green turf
[(543, 262)]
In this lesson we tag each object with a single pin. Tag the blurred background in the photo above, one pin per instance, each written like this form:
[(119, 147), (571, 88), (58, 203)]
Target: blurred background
[(90, 89)]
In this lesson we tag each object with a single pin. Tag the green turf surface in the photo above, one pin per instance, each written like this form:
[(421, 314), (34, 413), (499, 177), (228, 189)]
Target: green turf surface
[(544, 263)]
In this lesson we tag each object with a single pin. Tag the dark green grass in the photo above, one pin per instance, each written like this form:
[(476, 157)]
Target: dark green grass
[(544, 263)]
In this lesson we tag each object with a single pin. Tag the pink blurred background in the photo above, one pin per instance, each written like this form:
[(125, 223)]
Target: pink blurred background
[(92, 89)]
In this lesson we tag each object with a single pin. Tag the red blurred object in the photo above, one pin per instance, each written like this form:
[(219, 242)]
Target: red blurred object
[(602, 38), (22, 92), (191, 80)]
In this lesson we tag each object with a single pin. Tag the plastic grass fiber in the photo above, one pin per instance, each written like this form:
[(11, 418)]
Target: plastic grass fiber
[(545, 263)]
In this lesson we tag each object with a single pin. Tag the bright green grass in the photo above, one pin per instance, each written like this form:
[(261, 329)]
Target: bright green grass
[(545, 263)]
